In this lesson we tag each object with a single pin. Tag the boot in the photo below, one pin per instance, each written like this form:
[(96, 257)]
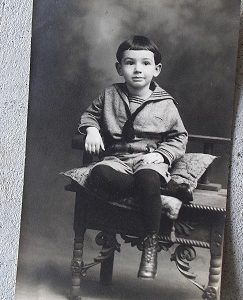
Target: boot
[(148, 264), (180, 191)]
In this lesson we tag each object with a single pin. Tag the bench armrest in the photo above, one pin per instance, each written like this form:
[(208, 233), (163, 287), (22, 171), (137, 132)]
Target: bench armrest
[(207, 141), (78, 141)]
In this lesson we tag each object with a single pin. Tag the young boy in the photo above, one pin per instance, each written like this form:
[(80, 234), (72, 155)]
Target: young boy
[(136, 127)]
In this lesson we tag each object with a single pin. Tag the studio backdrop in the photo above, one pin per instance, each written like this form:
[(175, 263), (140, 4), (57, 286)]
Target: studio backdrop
[(73, 59)]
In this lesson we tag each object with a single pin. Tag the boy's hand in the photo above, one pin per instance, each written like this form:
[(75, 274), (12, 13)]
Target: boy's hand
[(153, 158), (93, 141)]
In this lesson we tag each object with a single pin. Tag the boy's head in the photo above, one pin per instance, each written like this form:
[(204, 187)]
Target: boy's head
[(139, 60), (138, 42)]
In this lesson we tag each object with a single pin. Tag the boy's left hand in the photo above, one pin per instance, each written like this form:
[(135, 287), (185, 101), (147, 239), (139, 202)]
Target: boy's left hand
[(153, 158)]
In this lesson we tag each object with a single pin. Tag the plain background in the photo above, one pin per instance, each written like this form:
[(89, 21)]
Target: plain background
[(73, 56)]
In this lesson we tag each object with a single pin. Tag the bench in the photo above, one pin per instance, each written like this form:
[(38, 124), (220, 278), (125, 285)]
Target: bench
[(199, 224)]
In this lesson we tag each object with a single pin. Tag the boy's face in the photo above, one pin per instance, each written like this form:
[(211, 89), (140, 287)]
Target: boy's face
[(138, 68)]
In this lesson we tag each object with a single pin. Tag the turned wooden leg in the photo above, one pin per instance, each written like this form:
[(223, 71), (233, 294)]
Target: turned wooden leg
[(76, 267), (212, 291), (79, 230)]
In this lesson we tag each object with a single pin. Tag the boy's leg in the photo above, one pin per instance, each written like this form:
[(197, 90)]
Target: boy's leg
[(147, 187), (168, 186), (112, 181)]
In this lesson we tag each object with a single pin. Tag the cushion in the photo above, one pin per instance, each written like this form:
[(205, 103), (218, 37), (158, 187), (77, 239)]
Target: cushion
[(80, 175), (190, 168), (170, 205)]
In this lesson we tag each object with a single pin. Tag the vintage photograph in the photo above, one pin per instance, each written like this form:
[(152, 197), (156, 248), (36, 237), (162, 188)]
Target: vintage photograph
[(128, 149)]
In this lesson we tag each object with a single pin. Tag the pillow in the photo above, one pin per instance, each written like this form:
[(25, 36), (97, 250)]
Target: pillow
[(170, 205), (190, 167), (80, 175)]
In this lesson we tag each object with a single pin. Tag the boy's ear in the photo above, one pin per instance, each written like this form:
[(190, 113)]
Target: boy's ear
[(158, 69), (119, 69)]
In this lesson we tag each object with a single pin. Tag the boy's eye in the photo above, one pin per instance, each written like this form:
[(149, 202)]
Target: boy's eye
[(129, 62), (147, 63)]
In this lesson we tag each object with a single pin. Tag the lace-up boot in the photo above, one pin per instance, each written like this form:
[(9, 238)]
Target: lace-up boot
[(148, 265)]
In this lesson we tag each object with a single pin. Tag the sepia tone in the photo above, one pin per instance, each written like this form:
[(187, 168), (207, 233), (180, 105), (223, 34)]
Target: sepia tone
[(69, 47), (59, 229)]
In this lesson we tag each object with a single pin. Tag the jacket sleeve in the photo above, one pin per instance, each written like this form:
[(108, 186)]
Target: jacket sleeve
[(174, 145), (92, 117)]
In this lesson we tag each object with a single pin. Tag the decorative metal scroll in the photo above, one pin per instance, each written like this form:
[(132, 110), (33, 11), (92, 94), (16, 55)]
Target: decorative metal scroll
[(185, 228), (133, 240), (109, 245), (138, 241), (182, 256)]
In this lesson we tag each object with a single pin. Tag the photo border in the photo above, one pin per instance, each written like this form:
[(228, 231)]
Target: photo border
[(15, 41), (16, 22)]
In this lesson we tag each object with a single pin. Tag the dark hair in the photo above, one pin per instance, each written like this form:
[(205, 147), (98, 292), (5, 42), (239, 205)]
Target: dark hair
[(138, 42)]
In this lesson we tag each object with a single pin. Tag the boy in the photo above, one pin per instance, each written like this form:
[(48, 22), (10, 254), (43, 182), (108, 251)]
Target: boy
[(142, 135)]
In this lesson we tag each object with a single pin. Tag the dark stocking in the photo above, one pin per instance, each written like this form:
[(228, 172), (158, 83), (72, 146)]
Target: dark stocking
[(146, 184), (147, 187), (112, 181)]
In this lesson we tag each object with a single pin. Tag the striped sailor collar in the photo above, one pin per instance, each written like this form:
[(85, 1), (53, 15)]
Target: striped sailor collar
[(157, 93)]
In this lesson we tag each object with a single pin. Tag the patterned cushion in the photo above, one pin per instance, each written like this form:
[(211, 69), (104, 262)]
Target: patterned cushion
[(80, 175), (190, 168), (187, 169)]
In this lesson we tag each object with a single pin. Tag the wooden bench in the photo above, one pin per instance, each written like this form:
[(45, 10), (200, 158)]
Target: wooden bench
[(199, 224)]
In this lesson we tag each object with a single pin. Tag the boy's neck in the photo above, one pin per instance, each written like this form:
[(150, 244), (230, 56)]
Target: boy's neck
[(143, 93)]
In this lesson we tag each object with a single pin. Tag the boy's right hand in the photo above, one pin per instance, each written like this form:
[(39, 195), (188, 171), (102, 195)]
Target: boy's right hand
[(93, 141)]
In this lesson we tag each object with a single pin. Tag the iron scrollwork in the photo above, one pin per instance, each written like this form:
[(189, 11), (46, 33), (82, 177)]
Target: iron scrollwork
[(184, 228), (182, 256), (109, 245), (138, 241)]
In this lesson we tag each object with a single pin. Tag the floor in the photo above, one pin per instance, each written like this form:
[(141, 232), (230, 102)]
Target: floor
[(44, 274)]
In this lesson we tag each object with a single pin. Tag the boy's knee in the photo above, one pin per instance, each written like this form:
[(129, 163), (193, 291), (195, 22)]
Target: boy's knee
[(147, 177), (100, 176), (99, 171), (103, 173)]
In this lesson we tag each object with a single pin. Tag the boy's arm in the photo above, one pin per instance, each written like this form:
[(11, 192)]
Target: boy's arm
[(176, 140), (92, 116)]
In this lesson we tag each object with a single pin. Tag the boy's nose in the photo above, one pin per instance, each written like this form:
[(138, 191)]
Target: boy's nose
[(137, 68)]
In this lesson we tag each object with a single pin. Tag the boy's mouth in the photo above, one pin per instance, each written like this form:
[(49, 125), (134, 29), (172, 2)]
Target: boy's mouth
[(137, 78)]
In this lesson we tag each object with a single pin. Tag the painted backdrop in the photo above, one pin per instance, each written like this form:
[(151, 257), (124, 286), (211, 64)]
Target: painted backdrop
[(73, 57)]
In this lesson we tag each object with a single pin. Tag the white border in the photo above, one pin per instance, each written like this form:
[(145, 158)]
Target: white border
[(15, 38), (15, 42)]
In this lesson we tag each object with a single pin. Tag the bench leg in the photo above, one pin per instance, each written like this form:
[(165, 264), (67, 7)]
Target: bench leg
[(106, 270), (76, 267), (212, 291), (79, 230), (106, 257)]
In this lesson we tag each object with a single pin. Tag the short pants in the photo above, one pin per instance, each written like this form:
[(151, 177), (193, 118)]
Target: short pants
[(130, 164)]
